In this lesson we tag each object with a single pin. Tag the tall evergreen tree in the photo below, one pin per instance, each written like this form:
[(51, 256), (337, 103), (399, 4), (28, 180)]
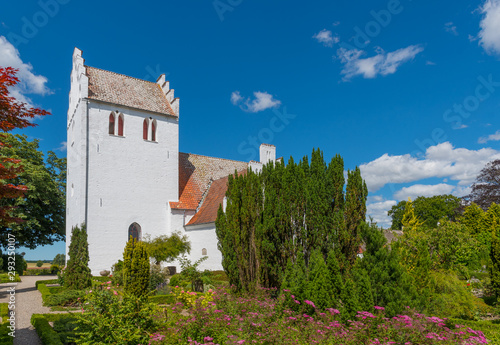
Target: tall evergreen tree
[(336, 280), (350, 302), (137, 274), (364, 288), (77, 274), (319, 284), (495, 263)]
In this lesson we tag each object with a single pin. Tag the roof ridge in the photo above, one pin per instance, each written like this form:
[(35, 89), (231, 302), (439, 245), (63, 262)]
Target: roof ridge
[(124, 75), (225, 159)]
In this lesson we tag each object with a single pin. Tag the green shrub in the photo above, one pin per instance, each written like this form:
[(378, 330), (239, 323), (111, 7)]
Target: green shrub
[(64, 298), (158, 277), (45, 332), (65, 328), (77, 274), (5, 338), (38, 272), (39, 263), (54, 269), (136, 268), (6, 278), (4, 310), (20, 266), (162, 299), (107, 319), (117, 273), (44, 290), (491, 331)]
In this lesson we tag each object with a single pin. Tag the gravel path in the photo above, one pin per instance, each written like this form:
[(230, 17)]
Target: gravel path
[(28, 302)]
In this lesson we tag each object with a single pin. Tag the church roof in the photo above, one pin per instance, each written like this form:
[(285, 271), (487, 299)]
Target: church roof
[(124, 90), (208, 210), (196, 173)]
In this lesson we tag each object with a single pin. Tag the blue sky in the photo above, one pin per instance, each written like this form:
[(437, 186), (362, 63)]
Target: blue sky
[(407, 90)]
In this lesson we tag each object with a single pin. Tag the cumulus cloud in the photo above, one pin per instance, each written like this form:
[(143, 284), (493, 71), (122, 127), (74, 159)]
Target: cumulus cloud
[(378, 211), (423, 190), (452, 29), (63, 147), (381, 64), (491, 137), (326, 37), (30, 83), (260, 102), (441, 161), (489, 35)]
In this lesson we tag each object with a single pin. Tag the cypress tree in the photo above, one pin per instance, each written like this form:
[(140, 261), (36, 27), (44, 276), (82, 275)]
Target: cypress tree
[(350, 302), (364, 288), (77, 275), (137, 273), (295, 278), (336, 280), (319, 285)]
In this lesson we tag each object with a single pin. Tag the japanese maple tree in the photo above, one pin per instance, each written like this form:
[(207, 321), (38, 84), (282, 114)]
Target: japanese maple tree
[(13, 115)]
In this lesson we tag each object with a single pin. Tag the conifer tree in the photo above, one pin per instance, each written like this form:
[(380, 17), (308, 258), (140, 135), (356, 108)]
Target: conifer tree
[(336, 280), (350, 302), (364, 288), (319, 285), (136, 269), (77, 274), (295, 278)]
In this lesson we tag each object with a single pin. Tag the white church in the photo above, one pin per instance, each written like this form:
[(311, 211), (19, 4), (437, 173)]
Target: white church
[(126, 175)]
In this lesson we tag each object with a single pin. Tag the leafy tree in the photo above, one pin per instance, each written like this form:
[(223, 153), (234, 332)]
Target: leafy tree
[(42, 208), (39, 263), (429, 210), (59, 260), (77, 275), (167, 248), (13, 114), (486, 189), (136, 268)]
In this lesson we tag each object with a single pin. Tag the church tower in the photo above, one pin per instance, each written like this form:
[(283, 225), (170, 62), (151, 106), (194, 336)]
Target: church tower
[(123, 159)]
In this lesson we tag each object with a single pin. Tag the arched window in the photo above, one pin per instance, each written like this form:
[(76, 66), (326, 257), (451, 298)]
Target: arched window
[(120, 125), (204, 251), (153, 131), (112, 123), (134, 231), (145, 129)]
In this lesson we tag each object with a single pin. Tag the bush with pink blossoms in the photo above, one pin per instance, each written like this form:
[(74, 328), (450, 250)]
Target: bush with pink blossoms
[(260, 319)]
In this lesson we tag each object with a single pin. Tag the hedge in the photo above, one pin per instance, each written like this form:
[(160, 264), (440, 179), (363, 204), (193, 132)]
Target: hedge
[(46, 282), (162, 299), (38, 272), (45, 332)]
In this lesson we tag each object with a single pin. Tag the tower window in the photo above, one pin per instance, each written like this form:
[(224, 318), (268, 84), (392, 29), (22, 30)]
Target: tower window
[(153, 131), (112, 123), (120, 125), (134, 231), (204, 251), (145, 129)]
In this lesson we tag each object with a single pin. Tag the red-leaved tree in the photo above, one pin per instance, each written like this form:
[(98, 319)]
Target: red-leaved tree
[(13, 114)]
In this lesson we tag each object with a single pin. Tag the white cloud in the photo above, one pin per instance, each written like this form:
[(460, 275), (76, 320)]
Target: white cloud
[(381, 64), (261, 101), (442, 161), (491, 137), (236, 97), (326, 38), (449, 27), (63, 147), (423, 190), (489, 35), (378, 211), (30, 83)]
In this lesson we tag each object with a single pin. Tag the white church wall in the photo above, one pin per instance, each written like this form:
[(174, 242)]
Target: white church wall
[(130, 180), (203, 236)]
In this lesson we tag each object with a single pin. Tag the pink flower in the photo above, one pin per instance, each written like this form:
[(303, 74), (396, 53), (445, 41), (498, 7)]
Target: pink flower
[(379, 308), (108, 288), (109, 282), (310, 303), (116, 293)]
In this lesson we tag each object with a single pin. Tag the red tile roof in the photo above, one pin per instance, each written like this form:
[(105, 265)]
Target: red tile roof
[(196, 172), (210, 207), (124, 90)]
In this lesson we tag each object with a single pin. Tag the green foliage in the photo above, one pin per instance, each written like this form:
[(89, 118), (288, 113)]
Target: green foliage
[(38, 272), (167, 248), (319, 289), (162, 299), (430, 210), (495, 263), (64, 298), (450, 296), (273, 215), (136, 268), (295, 278), (47, 334), (350, 300), (39, 263), (42, 208), (107, 319), (117, 273), (45, 282), (77, 275), (65, 328), (335, 275), (20, 264), (190, 275), (392, 287), (364, 288), (59, 260), (158, 277)]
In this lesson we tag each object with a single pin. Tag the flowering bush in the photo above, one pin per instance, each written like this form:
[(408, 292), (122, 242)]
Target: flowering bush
[(190, 298), (260, 319)]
